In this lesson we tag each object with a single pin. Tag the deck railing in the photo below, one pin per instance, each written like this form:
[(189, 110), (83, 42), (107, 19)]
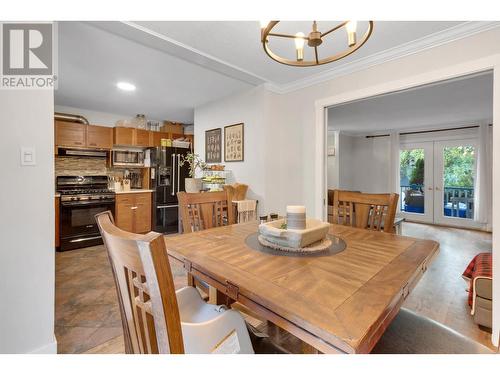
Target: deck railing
[(458, 201)]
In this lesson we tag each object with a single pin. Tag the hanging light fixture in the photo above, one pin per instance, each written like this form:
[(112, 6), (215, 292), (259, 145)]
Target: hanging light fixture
[(314, 40)]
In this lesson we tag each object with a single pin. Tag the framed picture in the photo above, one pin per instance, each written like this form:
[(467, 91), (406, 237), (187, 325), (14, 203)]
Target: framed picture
[(213, 144), (234, 142)]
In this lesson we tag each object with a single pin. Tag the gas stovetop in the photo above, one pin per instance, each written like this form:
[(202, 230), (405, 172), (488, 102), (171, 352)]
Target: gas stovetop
[(85, 191), (84, 188)]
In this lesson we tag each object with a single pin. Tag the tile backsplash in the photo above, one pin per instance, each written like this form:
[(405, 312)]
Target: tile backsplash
[(75, 166)]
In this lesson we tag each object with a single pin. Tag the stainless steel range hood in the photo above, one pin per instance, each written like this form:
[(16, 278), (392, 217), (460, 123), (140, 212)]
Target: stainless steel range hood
[(82, 153)]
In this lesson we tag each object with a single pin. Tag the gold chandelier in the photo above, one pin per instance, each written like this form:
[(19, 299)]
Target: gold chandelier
[(314, 40)]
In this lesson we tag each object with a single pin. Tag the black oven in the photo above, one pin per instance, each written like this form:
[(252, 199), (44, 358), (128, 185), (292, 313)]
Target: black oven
[(78, 225)]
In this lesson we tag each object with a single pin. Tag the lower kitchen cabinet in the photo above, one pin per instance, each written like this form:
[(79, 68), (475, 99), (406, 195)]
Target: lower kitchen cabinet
[(133, 212)]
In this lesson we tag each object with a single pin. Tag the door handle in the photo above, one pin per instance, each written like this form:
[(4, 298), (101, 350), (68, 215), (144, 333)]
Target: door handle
[(178, 171), (430, 188), (173, 175), (437, 189), (134, 208)]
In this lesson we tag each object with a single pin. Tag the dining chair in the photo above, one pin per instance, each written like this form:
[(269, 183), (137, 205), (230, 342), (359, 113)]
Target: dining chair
[(155, 317), (366, 211), (200, 211)]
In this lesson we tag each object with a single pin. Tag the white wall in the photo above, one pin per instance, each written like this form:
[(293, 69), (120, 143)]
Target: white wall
[(270, 168), (27, 223), (94, 117), (364, 164)]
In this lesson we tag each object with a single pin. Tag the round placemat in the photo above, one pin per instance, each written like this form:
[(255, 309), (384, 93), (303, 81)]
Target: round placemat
[(318, 246), (337, 245)]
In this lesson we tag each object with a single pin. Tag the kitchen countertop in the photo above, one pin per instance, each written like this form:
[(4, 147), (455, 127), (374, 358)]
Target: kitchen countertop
[(134, 191)]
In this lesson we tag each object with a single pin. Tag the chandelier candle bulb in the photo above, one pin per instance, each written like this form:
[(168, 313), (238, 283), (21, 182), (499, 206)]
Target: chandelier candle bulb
[(299, 45), (351, 32), (296, 217)]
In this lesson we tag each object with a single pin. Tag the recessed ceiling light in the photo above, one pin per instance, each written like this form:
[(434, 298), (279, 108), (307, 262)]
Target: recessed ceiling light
[(125, 86)]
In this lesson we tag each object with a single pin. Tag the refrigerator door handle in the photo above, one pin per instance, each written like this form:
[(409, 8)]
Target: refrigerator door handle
[(178, 171), (173, 177)]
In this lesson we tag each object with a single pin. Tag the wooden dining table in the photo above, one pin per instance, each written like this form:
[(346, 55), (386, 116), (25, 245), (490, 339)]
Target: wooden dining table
[(340, 303)]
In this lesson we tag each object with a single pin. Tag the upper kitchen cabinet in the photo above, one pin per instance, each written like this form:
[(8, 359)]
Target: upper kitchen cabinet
[(143, 138), (157, 137), (123, 136), (132, 137), (73, 134), (99, 137), (70, 134)]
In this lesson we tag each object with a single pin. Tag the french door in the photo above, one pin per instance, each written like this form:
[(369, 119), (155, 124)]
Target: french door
[(437, 182)]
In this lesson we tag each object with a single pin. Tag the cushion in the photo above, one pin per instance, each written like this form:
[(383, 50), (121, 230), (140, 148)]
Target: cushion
[(410, 333)]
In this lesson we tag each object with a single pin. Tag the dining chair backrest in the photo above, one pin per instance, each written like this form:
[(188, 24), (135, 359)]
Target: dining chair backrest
[(366, 211), (145, 288), (201, 211)]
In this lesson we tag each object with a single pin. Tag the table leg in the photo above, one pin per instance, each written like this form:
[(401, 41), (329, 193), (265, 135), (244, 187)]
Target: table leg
[(216, 297), (308, 349), (190, 279)]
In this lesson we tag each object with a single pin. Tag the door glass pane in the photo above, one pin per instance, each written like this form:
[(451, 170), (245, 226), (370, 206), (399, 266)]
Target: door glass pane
[(458, 178), (412, 170)]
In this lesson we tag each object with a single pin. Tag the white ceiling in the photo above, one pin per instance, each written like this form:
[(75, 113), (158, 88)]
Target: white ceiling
[(92, 61), (464, 101), (238, 43), (178, 66)]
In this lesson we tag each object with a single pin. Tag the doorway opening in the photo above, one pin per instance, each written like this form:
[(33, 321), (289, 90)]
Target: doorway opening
[(430, 144)]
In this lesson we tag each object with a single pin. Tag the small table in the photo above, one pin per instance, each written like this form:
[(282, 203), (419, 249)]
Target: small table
[(339, 303)]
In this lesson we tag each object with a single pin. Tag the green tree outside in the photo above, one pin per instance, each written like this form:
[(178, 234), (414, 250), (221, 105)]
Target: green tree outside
[(459, 166)]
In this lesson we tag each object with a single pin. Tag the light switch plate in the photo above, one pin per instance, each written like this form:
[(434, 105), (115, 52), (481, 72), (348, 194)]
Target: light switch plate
[(28, 156)]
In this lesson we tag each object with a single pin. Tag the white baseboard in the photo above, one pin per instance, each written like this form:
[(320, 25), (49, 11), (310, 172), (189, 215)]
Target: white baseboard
[(50, 348)]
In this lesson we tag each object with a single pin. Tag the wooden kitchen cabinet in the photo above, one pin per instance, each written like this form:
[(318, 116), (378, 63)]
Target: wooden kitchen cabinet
[(142, 138), (99, 137), (73, 134), (157, 137), (132, 137), (70, 134), (133, 212), (123, 136)]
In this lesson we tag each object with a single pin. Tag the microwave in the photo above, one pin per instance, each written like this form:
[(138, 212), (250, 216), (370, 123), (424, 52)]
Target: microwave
[(128, 158)]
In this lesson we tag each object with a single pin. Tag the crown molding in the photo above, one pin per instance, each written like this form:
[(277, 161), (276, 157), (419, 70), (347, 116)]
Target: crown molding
[(415, 46), (143, 35)]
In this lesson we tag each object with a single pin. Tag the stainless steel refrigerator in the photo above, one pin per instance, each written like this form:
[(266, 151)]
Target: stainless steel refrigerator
[(167, 179)]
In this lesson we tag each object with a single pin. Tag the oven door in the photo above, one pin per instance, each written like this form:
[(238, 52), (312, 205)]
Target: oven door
[(78, 225)]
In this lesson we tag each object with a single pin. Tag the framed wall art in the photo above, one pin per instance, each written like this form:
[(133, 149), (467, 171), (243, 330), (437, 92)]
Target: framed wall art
[(213, 144), (234, 142)]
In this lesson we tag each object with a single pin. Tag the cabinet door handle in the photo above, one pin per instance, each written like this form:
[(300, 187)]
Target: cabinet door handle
[(78, 143), (178, 172), (93, 144), (173, 172), (134, 208)]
